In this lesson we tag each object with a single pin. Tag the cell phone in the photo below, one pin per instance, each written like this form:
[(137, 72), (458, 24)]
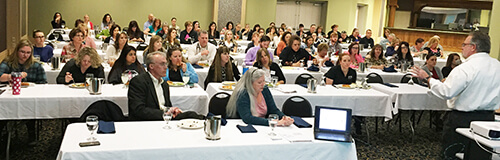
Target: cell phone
[(93, 143)]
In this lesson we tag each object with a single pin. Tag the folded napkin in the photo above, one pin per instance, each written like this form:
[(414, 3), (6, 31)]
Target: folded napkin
[(286, 90), (303, 85), (106, 127), (390, 85), (223, 121), (313, 68), (329, 64), (299, 122), (389, 69), (246, 129), (196, 66)]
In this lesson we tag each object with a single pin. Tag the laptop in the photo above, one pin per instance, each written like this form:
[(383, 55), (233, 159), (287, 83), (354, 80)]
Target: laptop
[(332, 124)]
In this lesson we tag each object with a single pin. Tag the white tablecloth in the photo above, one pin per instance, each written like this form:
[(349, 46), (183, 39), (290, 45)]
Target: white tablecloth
[(147, 140), (60, 101), (362, 102), (411, 97)]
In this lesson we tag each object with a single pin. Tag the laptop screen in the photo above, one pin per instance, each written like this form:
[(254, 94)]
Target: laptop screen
[(332, 119)]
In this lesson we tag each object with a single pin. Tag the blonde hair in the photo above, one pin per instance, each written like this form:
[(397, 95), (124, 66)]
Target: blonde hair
[(433, 40), (95, 59), (13, 59)]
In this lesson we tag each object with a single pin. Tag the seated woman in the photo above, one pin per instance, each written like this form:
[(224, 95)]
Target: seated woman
[(404, 54), (88, 41), (106, 21), (343, 37), (452, 62), (269, 67), (376, 57), (309, 45), (104, 33), (212, 31), (154, 45), (355, 37), (393, 48), (115, 30), (293, 54), (356, 58), (21, 60), (431, 68), (86, 62), (44, 51), (58, 22), (178, 65), (341, 73), (188, 36), (134, 32), (222, 69), (164, 31), (322, 55), (432, 47), (252, 101), (255, 41), (229, 41), (126, 61), (171, 41), (113, 51), (75, 45), (283, 43)]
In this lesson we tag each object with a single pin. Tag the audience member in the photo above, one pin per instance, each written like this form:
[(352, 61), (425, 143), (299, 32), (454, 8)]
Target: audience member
[(367, 41), (87, 22), (44, 51), (322, 55), (418, 48), (292, 55), (126, 61), (171, 41), (113, 51), (114, 32), (452, 62), (134, 32), (393, 48), (201, 50), (154, 29), (222, 69), (106, 20), (75, 45), (251, 55), (376, 57), (432, 47), (149, 22), (188, 36), (58, 22), (178, 66), (271, 69), (403, 54), (212, 31), (155, 45), (283, 43), (86, 62)]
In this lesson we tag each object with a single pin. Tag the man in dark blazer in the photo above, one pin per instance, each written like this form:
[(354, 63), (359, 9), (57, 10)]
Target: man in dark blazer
[(143, 103)]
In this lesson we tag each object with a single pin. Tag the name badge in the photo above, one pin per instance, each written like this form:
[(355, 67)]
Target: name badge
[(349, 77), (273, 72)]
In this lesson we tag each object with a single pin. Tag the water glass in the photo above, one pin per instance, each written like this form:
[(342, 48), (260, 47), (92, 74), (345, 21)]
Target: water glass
[(274, 81), (273, 122), (185, 79), (167, 116), (37, 57), (92, 124)]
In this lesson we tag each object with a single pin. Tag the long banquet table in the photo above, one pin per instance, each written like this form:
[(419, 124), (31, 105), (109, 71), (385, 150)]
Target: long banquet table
[(148, 140), (363, 102), (47, 101)]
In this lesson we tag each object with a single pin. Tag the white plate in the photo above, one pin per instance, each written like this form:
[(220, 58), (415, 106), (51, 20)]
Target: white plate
[(191, 124), (177, 84), (228, 83), (352, 86), (77, 85), (26, 86), (226, 89)]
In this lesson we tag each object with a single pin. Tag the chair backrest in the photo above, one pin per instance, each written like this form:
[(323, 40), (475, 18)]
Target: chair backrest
[(105, 110), (302, 78), (374, 78), (406, 78), (297, 106), (218, 103)]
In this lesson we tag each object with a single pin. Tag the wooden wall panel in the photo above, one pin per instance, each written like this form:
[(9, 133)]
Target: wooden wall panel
[(451, 41)]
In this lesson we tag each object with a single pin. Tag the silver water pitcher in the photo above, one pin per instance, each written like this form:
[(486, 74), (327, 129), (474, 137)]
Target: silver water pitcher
[(95, 85), (55, 61), (212, 127), (312, 84), (362, 67)]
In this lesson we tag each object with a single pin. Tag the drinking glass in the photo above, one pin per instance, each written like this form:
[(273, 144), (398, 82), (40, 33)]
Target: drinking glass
[(125, 78), (167, 116), (273, 122), (274, 81), (185, 79), (88, 78), (92, 124), (56, 36), (37, 57)]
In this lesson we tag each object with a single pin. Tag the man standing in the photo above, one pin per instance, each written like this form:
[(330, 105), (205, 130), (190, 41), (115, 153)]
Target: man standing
[(148, 95), (252, 53), (367, 41), (201, 50), (472, 90), (148, 23)]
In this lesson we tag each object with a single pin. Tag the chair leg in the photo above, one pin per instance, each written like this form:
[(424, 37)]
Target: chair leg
[(376, 124)]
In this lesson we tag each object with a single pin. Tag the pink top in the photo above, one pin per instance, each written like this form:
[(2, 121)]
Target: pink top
[(261, 107)]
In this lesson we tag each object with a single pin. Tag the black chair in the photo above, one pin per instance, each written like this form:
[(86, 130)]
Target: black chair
[(297, 106), (106, 110), (218, 103), (374, 78), (302, 78), (406, 78)]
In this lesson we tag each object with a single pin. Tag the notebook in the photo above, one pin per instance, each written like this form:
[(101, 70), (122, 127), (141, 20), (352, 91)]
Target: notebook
[(332, 124)]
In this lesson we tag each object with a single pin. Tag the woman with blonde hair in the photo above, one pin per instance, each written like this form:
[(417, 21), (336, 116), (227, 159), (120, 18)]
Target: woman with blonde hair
[(113, 51), (229, 41), (86, 62), (222, 69), (432, 47), (393, 48), (155, 44), (21, 60), (252, 101), (89, 41)]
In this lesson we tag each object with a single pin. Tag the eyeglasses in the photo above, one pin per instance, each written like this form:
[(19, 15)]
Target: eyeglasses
[(39, 37), (464, 44)]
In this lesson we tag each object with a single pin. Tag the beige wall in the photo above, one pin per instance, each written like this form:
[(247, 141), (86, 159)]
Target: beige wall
[(343, 13), (123, 11), (261, 12), (402, 19), (494, 32)]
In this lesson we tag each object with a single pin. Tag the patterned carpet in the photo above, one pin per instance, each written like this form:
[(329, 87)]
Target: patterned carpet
[(388, 143)]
